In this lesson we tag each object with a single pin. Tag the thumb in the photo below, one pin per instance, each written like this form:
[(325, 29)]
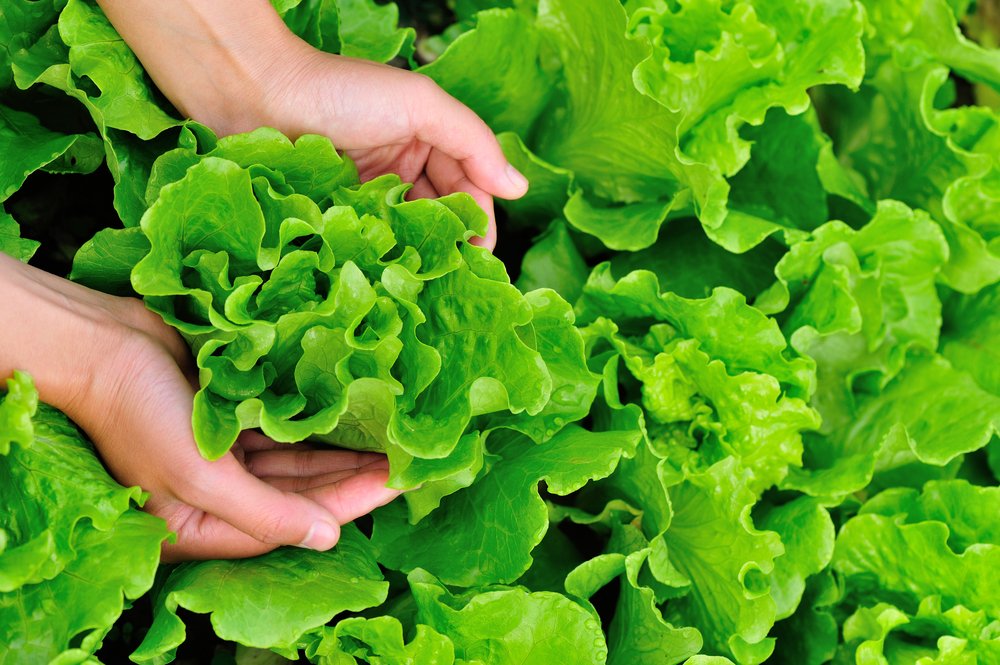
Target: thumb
[(454, 129), (265, 513)]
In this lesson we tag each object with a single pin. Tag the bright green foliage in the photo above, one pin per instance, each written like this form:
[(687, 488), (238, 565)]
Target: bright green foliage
[(497, 625), (887, 436), (968, 338), (883, 633), (922, 607), (378, 638), (740, 405), (323, 308), (862, 299), (306, 589), (65, 532), (645, 121), (355, 28), (485, 534), (11, 242)]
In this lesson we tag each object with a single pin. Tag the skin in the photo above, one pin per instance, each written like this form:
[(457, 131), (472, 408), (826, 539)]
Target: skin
[(128, 379)]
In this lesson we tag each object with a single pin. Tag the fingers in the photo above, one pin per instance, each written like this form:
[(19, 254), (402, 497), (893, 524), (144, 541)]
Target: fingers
[(422, 189), (293, 462), (274, 517), (356, 495), (203, 535), (252, 441), (302, 484), (451, 127), (447, 176)]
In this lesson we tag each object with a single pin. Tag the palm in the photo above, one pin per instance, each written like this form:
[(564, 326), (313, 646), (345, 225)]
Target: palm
[(406, 157)]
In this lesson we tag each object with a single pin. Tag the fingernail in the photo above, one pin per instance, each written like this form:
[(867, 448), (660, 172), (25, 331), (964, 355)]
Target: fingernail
[(517, 178), (321, 537)]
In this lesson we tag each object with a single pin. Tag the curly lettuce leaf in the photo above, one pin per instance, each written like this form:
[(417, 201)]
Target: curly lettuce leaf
[(707, 396), (873, 549), (689, 264), (969, 335), (82, 56), (485, 534), (730, 600), (22, 23), (635, 301), (19, 405), (807, 533), (498, 625), (906, 147), (811, 635), (371, 31), (888, 438), (378, 639), (11, 242), (321, 308), (70, 537), (554, 262), (305, 590), (858, 301), (718, 67), (56, 487), (883, 633), (929, 29), (113, 567), (517, 88), (617, 74), (638, 633), (716, 564), (28, 146)]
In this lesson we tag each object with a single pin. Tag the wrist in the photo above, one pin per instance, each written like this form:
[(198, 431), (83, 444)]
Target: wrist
[(239, 74), (214, 61), (40, 334), (63, 334)]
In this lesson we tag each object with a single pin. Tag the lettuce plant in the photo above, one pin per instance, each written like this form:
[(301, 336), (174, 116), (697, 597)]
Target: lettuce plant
[(740, 405)]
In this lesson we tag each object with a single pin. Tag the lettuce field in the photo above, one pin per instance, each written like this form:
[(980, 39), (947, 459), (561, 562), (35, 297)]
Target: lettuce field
[(728, 391)]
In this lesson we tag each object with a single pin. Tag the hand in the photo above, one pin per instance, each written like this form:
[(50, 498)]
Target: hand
[(123, 375), (234, 66), (388, 120)]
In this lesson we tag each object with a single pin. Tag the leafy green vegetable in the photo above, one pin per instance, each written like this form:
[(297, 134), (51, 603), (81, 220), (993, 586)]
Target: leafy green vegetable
[(493, 526), (628, 158), (871, 548), (65, 530), (307, 589), (739, 405), (500, 625)]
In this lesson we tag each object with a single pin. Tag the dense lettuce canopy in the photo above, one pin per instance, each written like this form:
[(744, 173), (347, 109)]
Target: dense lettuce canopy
[(739, 403)]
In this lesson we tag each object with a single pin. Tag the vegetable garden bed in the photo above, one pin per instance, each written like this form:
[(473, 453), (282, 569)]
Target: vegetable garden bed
[(739, 402)]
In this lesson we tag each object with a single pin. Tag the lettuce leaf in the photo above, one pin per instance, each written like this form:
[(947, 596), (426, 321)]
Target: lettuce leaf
[(485, 534), (858, 301), (940, 160), (903, 446), (321, 308), (871, 548), (306, 590), (496, 625), (624, 161), (70, 536), (931, 635)]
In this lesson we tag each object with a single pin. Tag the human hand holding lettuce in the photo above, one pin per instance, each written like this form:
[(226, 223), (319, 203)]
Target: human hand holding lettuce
[(137, 406), (234, 66), (122, 375)]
